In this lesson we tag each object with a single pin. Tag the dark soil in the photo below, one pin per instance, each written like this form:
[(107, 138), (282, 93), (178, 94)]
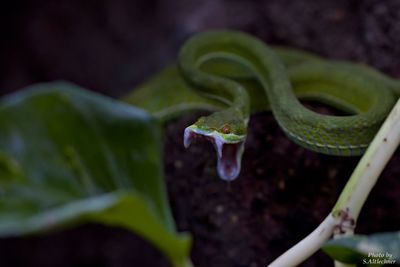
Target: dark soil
[(283, 192)]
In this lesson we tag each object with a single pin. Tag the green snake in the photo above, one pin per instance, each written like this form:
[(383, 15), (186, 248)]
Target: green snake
[(233, 74)]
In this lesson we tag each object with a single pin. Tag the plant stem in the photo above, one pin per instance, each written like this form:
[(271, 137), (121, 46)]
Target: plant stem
[(341, 221), (341, 264), (306, 247), (371, 165), (187, 263), (339, 234)]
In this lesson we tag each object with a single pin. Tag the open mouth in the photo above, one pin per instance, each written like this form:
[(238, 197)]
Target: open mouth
[(229, 153)]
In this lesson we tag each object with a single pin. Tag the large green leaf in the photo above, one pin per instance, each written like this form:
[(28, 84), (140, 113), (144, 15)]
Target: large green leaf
[(375, 250), (69, 156)]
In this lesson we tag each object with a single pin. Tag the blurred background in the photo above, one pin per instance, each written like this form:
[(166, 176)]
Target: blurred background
[(112, 46)]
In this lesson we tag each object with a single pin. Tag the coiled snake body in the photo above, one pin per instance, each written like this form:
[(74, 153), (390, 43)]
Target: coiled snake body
[(234, 74)]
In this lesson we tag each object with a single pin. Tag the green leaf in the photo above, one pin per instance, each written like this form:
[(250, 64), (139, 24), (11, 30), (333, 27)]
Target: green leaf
[(376, 249), (69, 156)]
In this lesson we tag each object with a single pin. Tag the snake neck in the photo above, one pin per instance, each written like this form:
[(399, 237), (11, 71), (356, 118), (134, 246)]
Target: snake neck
[(348, 135)]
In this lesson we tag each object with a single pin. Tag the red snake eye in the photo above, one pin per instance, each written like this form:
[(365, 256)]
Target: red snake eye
[(226, 129)]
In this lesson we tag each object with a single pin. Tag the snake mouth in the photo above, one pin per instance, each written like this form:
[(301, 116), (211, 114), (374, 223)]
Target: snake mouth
[(229, 153)]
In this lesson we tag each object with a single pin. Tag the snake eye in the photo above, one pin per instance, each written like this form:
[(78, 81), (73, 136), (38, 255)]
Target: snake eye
[(226, 129)]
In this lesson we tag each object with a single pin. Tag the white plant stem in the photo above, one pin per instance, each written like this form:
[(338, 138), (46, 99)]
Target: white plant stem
[(371, 165), (341, 264), (341, 221), (189, 264), (306, 247)]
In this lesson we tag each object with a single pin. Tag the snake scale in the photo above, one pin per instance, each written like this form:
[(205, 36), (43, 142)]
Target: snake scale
[(233, 74)]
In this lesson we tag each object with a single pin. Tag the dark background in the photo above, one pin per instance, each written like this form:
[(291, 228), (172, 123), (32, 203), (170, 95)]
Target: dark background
[(284, 191)]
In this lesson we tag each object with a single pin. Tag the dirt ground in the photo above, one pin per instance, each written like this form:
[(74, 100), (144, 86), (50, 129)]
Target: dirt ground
[(283, 192)]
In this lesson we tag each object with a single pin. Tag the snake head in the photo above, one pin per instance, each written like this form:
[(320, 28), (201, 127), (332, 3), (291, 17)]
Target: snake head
[(228, 139)]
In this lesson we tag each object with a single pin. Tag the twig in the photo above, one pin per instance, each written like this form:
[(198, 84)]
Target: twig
[(341, 221), (306, 247)]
